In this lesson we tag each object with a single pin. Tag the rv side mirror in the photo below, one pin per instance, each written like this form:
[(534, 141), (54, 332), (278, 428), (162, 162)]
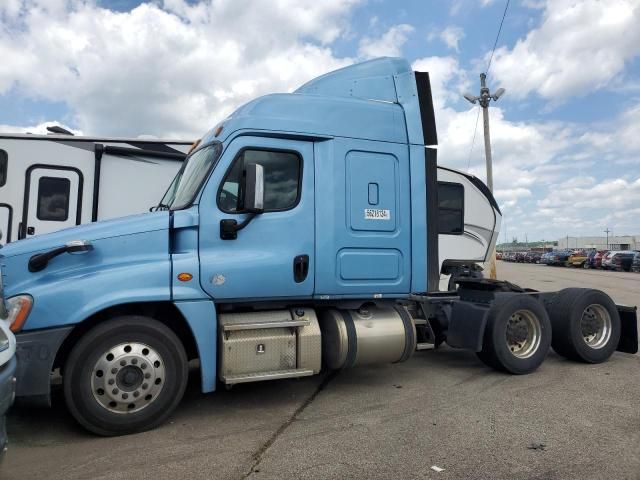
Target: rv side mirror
[(253, 198)]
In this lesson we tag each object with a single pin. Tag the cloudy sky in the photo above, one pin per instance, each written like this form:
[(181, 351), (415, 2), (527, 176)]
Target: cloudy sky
[(566, 135)]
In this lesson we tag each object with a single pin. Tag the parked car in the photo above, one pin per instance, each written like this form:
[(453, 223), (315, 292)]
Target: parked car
[(544, 259), (7, 375), (606, 260), (578, 259), (533, 257), (559, 257), (520, 257), (623, 260), (597, 258), (635, 265), (590, 261)]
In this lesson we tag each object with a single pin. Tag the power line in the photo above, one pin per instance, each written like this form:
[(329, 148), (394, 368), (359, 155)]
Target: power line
[(506, 7), (475, 129)]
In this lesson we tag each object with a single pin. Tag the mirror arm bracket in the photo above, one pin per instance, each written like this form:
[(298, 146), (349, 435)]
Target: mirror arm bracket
[(229, 228), (40, 261)]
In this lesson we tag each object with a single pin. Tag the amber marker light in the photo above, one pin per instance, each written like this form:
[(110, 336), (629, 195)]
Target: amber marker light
[(194, 146), (19, 308), (185, 277)]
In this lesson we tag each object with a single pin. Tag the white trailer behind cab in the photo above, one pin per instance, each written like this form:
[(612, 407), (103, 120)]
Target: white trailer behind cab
[(51, 182)]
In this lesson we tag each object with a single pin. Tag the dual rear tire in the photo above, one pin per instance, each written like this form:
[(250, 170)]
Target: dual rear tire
[(585, 325), (517, 336)]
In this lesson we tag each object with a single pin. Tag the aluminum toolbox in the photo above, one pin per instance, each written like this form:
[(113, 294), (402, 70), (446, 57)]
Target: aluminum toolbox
[(268, 345)]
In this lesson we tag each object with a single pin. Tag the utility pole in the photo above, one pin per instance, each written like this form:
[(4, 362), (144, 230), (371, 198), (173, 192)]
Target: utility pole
[(607, 231), (484, 99)]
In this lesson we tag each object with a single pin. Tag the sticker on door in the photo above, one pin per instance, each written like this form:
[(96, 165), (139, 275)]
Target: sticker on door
[(377, 214)]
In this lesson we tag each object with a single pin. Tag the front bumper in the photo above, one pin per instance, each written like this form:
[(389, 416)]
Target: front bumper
[(7, 394)]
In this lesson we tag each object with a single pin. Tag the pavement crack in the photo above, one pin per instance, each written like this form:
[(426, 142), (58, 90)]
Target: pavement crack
[(258, 456)]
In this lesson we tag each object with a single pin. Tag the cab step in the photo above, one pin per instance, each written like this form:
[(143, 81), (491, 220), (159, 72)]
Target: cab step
[(273, 375)]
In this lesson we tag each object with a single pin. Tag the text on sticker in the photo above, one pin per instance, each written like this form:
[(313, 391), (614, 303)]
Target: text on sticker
[(377, 214)]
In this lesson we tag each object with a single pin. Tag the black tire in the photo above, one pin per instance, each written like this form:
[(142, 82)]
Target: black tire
[(496, 351), (566, 310), (167, 387)]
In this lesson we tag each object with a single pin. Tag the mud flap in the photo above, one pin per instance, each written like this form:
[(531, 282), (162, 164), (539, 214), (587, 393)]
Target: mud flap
[(466, 326), (628, 329)]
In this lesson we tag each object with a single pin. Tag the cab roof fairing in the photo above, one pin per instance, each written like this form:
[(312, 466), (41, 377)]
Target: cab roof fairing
[(381, 99)]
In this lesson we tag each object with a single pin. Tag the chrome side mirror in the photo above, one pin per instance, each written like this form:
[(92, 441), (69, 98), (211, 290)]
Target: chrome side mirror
[(253, 197)]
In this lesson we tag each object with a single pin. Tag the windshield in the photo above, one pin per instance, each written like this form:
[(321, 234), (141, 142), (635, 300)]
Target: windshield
[(189, 180)]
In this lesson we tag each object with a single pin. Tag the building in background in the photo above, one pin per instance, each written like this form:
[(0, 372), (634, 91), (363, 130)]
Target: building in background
[(625, 242)]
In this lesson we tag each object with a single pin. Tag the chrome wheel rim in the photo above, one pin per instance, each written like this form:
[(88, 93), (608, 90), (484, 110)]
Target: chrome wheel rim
[(523, 333), (595, 326), (127, 378)]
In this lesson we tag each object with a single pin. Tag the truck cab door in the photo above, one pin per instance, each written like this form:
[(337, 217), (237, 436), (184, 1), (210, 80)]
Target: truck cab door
[(273, 255)]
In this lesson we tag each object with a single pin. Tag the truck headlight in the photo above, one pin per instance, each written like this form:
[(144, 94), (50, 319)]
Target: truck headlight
[(4, 341), (19, 308)]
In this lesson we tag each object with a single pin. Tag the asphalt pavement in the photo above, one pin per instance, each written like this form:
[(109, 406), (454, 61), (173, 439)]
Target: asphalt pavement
[(442, 409)]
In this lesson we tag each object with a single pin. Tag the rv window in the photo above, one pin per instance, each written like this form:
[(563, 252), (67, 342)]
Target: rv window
[(4, 161), (450, 208), (281, 180), (53, 199)]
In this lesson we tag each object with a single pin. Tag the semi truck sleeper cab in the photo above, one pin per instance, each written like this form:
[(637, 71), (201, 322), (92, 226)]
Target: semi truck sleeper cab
[(301, 234)]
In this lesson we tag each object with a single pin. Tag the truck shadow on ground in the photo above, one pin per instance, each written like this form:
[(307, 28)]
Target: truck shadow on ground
[(49, 426)]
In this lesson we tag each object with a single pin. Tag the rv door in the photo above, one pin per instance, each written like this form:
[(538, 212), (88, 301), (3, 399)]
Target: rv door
[(53, 197)]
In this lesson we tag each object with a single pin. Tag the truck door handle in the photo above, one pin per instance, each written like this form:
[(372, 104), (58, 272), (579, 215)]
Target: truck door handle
[(31, 231), (300, 268)]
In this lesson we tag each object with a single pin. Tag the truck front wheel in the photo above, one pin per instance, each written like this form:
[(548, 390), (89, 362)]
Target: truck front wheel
[(126, 375), (517, 336)]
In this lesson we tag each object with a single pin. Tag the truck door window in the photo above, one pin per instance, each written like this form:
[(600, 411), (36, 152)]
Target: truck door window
[(450, 208), (4, 162), (53, 199), (282, 175)]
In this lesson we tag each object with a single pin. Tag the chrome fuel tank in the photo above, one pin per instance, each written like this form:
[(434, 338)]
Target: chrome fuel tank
[(371, 334)]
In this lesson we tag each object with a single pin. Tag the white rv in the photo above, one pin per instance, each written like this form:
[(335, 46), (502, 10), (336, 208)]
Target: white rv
[(469, 221), (51, 182)]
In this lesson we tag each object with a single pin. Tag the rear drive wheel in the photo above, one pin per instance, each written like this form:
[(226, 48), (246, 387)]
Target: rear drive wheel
[(517, 336), (586, 324), (125, 375)]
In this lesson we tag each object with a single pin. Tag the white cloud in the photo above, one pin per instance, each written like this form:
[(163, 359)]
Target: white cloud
[(389, 44), (169, 70), (544, 171), (579, 48), (450, 36), (174, 68)]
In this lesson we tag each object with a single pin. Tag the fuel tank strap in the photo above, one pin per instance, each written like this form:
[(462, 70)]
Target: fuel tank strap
[(352, 341)]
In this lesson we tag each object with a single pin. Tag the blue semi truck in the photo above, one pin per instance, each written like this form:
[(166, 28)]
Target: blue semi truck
[(301, 234)]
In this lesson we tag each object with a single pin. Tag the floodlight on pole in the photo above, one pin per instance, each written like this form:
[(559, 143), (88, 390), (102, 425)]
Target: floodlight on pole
[(471, 98), (498, 94)]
